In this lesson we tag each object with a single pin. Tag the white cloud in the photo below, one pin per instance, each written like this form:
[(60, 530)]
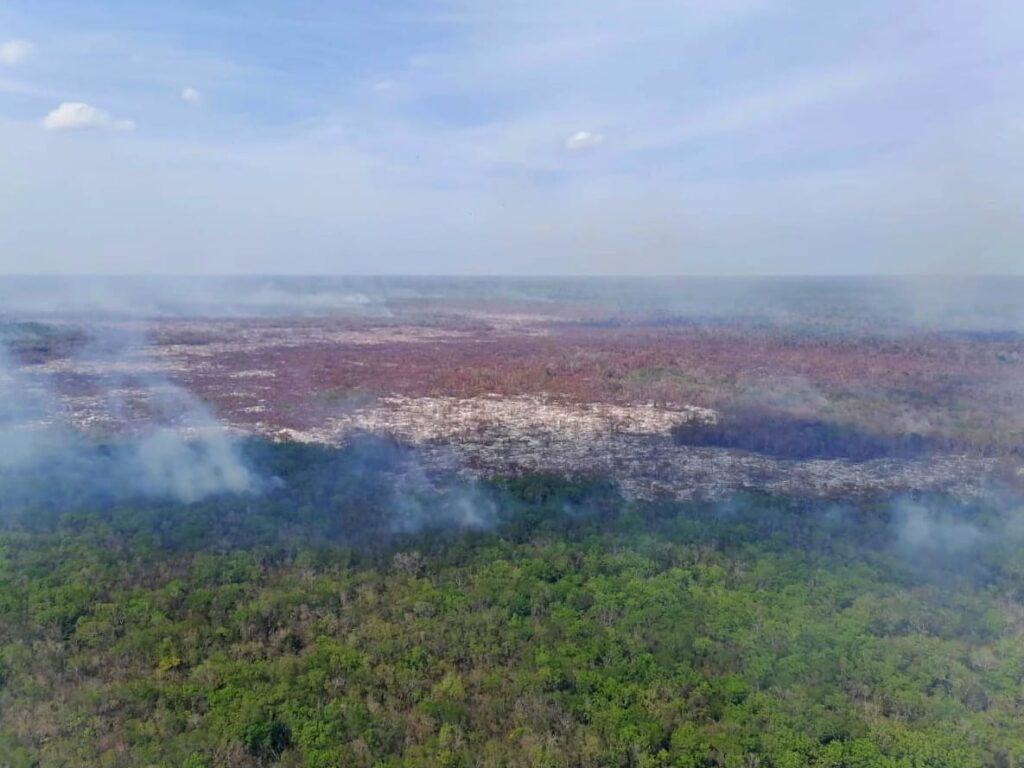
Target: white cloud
[(15, 51), (192, 96), (583, 140), (77, 114)]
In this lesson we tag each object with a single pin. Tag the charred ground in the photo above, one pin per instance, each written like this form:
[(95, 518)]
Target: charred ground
[(565, 529), (780, 393)]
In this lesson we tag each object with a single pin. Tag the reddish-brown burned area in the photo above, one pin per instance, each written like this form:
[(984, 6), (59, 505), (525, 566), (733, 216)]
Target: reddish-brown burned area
[(293, 373), (493, 388)]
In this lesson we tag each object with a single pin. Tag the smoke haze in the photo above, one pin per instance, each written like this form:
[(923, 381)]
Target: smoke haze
[(180, 452)]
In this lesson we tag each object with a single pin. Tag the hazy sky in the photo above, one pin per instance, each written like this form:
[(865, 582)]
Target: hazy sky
[(535, 136)]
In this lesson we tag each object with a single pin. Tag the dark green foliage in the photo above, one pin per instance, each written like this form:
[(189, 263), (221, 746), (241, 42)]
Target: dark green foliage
[(783, 435), (583, 630), (266, 737)]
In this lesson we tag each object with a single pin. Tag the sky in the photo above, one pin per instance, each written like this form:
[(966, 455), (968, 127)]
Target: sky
[(534, 137)]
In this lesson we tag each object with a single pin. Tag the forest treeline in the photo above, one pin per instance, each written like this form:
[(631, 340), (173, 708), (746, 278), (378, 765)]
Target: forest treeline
[(343, 618), (784, 435)]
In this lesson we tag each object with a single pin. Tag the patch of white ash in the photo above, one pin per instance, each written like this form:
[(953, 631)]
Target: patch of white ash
[(430, 419), (630, 443)]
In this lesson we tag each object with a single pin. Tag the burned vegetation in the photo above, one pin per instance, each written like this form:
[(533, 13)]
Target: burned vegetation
[(785, 436), (541, 530)]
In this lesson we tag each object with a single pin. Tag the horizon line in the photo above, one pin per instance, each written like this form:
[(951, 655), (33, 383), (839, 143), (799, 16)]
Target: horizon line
[(511, 276)]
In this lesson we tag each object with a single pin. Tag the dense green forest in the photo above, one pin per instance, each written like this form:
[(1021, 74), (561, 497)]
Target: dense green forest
[(332, 621)]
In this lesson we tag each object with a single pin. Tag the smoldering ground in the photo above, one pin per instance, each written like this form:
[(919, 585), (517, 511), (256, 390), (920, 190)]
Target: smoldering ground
[(148, 441), (180, 453), (177, 452)]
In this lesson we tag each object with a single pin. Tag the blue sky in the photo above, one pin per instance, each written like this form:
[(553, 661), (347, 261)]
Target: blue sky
[(541, 136)]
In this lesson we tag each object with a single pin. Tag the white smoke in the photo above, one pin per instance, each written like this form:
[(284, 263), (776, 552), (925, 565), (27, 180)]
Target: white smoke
[(924, 530), (166, 463), (181, 453)]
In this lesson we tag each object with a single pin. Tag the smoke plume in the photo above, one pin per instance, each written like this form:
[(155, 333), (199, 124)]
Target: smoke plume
[(177, 452)]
